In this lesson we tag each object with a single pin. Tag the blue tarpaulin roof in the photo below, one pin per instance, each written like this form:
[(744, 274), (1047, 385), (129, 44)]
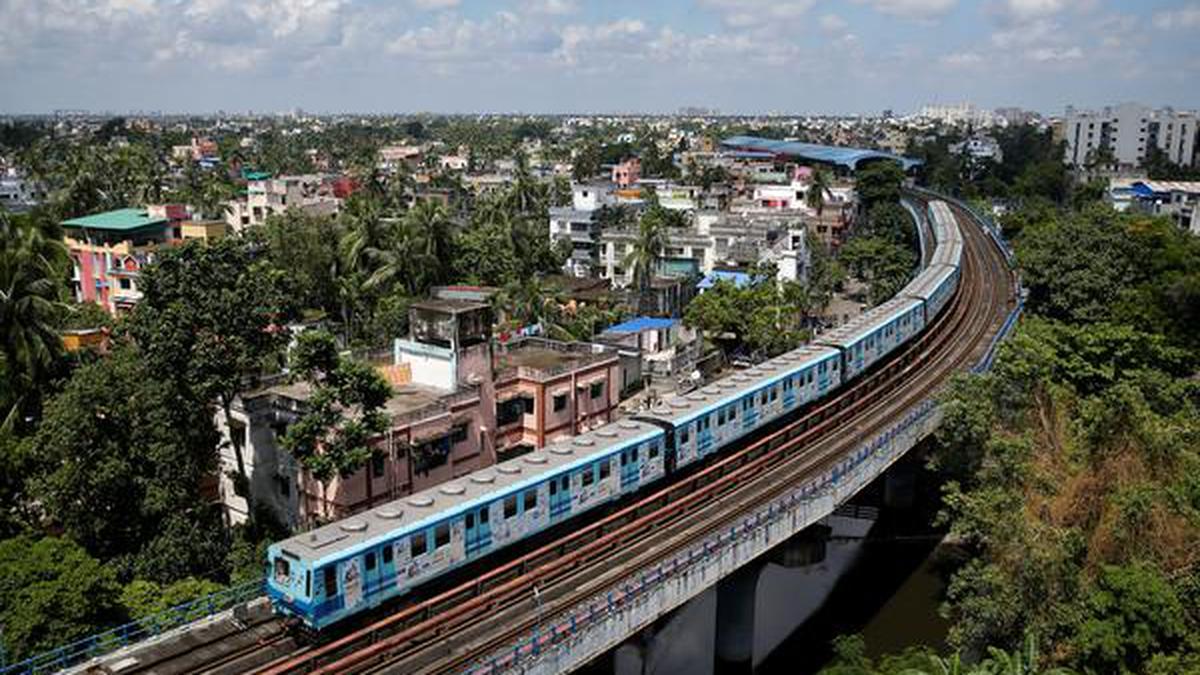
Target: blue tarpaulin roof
[(640, 324), (738, 279), (847, 157)]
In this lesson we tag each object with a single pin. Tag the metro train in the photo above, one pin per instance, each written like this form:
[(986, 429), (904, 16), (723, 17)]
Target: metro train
[(340, 569)]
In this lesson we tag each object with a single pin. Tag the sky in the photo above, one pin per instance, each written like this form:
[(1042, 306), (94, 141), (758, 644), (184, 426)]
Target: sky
[(606, 56)]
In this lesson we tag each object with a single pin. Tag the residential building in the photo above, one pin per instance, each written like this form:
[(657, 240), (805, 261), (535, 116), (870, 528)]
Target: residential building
[(313, 194), (1180, 200), (18, 194), (1127, 132), (578, 225), (979, 148), (627, 173), (665, 346), (109, 249), (961, 113), (460, 400), (393, 158)]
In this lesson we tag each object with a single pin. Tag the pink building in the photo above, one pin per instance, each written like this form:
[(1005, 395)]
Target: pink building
[(627, 173), (109, 249), (459, 401)]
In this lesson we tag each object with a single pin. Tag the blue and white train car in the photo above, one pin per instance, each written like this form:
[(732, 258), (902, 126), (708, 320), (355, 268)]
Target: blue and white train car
[(346, 567), (705, 420), (869, 337), (934, 286)]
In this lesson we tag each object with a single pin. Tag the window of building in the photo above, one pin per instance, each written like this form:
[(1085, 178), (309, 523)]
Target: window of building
[(597, 389), (370, 561), (459, 434), (377, 460), (560, 402), (419, 545), (510, 506), (441, 535), (330, 581), (125, 284)]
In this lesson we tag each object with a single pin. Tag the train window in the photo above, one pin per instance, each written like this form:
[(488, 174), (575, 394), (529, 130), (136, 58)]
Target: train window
[(634, 454), (283, 570), (774, 393), (419, 544), (732, 412), (330, 581), (530, 500), (721, 417), (605, 469), (370, 561), (308, 584), (470, 520), (441, 535), (588, 477), (553, 488), (762, 398), (510, 506), (748, 403), (683, 435), (564, 483), (388, 553), (483, 516), (624, 458), (653, 450)]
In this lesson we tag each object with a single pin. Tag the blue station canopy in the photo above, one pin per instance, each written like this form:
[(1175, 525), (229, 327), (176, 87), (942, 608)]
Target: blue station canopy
[(830, 154)]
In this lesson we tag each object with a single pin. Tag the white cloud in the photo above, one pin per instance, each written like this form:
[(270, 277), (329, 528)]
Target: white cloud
[(429, 5), (551, 7), (748, 13), (1055, 54), (961, 60), (832, 23), (1024, 10), (914, 9), (1184, 17)]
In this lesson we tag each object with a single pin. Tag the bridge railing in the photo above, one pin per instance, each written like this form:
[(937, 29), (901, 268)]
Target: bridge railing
[(135, 631)]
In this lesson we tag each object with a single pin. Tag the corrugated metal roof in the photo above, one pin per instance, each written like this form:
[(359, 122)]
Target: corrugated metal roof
[(640, 324), (847, 157), (121, 220)]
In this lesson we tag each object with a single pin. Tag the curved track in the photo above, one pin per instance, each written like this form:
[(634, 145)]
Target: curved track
[(449, 632)]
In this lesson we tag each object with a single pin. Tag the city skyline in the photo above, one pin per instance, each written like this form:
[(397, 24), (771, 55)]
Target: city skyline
[(564, 56)]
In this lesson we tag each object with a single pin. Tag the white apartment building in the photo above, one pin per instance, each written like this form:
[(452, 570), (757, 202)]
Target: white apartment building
[(272, 196), (960, 113), (578, 225), (1128, 131)]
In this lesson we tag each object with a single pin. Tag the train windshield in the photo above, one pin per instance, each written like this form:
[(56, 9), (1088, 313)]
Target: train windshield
[(283, 571)]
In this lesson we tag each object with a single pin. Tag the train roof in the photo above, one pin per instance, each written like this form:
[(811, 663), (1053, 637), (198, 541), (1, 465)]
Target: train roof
[(927, 281), (680, 409), (864, 324), (428, 507)]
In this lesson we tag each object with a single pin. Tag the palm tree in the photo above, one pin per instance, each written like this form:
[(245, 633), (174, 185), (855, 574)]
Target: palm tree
[(815, 198), (644, 256), (31, 268), (402, 262), (429, 220)]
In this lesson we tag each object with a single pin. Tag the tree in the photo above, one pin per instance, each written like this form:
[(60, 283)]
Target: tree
[(644, 254), (117, 464), (210, 319), (817, 189), (343, 414), (31, 274), (51, 593), (878, 182), (883, 264), (142, 599)]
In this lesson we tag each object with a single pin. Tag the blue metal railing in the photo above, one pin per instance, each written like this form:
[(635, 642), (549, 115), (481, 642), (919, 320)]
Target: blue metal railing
[(115, 638)]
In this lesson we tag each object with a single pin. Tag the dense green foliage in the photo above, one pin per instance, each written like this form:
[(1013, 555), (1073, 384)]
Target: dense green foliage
[(344, 412), (1073, 464), (759, 320), (882, 250)]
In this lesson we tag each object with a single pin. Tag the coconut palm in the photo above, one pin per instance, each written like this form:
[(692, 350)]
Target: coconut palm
[(31, 268), (815, 198), (429, 220), (647, 249)]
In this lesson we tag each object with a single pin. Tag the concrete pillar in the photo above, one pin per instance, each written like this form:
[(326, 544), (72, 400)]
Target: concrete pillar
[(805, 548), (900, 486), (735, 621)]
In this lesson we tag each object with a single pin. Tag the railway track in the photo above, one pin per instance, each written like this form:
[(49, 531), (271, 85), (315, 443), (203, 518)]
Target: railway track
[(448, 632)]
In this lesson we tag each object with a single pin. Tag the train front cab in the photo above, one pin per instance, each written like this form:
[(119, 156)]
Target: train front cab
[(290, 585)]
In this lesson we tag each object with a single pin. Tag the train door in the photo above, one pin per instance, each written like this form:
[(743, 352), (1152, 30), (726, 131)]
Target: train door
[(629, 467), (372, 576), (560, 497), (479, 530), (789, 392), (669, 460), (704, 435)]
